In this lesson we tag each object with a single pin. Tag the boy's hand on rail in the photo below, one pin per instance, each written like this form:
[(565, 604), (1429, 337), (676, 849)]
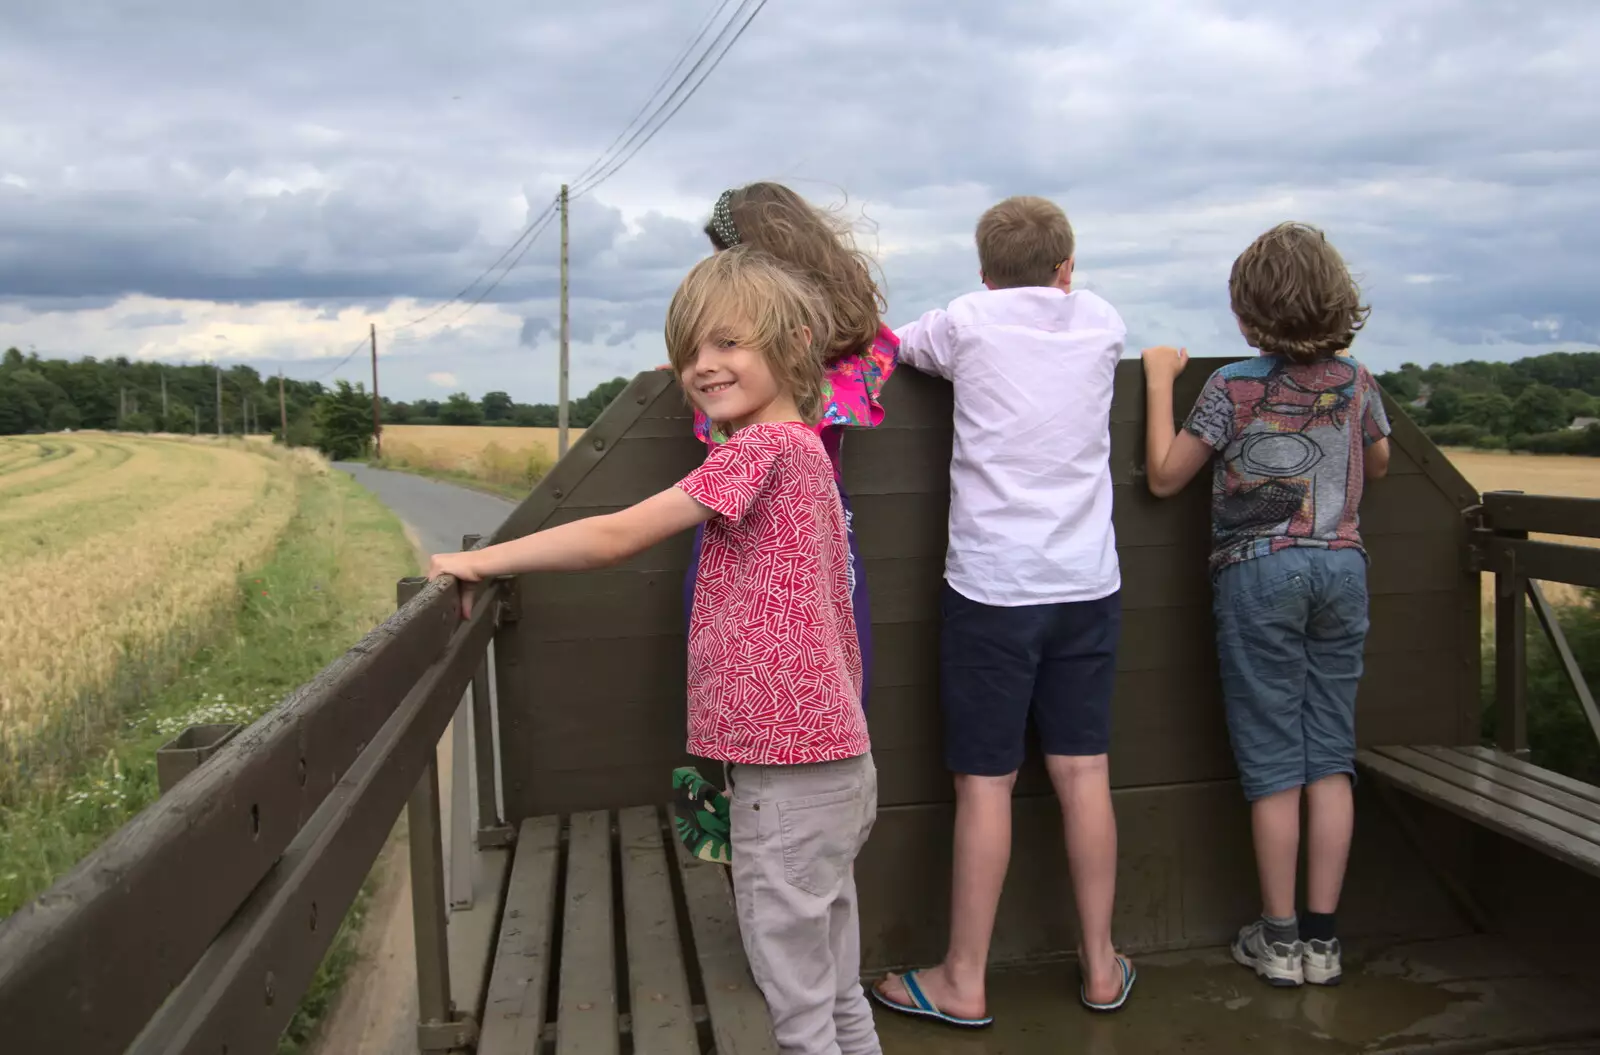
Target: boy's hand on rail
[(461, 566), (1163, 362)]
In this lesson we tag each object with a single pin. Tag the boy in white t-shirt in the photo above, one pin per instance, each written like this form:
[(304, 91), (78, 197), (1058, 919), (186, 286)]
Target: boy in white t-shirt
[(1030, 611)]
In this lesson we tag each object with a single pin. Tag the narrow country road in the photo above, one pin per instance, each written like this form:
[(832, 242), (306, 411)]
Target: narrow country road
[(375, 1012), (439, 513)]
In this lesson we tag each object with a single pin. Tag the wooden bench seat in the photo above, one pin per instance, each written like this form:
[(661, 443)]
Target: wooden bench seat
[(1551, 813), (611, 930)]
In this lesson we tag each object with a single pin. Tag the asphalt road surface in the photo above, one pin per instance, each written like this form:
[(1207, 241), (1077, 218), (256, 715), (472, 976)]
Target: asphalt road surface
[(439, 513)]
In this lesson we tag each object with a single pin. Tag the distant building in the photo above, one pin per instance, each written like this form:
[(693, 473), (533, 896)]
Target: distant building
[(1579, 424)]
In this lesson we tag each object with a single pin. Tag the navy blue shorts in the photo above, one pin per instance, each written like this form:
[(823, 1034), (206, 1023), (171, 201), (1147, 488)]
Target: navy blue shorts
[(999, 667)]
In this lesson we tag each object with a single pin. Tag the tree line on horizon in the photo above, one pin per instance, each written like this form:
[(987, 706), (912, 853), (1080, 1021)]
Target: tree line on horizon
[(1526, 404), (53, 395), (1538, 403)]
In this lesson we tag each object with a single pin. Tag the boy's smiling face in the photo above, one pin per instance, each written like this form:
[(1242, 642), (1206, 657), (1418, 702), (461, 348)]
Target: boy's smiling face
[(730, 381)]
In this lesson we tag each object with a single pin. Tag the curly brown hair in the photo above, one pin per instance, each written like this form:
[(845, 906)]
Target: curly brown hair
[(771, 217), (1294, 296)]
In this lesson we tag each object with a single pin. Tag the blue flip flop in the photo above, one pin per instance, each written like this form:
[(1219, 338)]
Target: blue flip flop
[(922, 1007), (1129, 976)]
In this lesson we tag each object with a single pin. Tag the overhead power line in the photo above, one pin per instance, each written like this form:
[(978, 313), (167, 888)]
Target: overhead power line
[(677, 65), (634, 143)]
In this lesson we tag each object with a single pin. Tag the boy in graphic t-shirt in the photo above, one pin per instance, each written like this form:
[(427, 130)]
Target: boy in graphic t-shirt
[(774, 671), (1293, 434)]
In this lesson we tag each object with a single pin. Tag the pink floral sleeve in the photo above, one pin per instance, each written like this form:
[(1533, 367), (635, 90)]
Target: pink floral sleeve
[(850, 389)]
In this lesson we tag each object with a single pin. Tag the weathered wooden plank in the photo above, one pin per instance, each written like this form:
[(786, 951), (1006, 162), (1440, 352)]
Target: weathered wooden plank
[(912, 399), (514, 1011), (1497, 786), (1560, 781), (635, 469), (1410, 446), (663, 1018), (896, 461), (652, 393), (1128, 396), (282, 930), (1578, 804), (1549, 561), (1509, 822), (586, 1022), (740, 1023), (1551, 514), (83, 967)]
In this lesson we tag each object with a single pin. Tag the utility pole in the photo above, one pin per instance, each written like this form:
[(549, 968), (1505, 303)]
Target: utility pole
[(163, 399), (217, 369), (377, 419), (122, 404), (194, 414), (244, 416), (283, 413), (561, 405)]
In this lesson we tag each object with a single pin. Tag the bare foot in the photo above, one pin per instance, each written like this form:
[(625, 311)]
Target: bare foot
[(940, 991), (1102, 980)]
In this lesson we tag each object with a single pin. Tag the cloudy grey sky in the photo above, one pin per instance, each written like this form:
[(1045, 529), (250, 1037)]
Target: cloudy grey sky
[(258, 182)]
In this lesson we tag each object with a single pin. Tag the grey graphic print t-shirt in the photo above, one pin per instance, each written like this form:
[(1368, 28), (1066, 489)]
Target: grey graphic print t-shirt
[(1291, 438)]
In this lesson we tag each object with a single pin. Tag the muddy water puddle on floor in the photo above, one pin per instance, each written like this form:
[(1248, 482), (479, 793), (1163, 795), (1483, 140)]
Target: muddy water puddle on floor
[(1204, 1004)]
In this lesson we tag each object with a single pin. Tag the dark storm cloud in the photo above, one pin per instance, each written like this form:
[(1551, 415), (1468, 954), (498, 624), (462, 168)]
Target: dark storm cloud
[(346, 154)]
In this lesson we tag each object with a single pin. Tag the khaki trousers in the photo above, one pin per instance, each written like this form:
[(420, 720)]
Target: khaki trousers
[(796, 831)]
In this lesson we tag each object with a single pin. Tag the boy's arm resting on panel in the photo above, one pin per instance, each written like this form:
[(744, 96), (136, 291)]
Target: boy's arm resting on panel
[(1172, 456), (596, 542), (929, 344)]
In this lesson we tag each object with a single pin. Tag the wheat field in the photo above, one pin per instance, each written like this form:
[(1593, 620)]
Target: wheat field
[(508, 457), (122, 551)]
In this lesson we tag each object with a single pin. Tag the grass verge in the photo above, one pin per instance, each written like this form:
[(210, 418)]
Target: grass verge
[(329, 580)]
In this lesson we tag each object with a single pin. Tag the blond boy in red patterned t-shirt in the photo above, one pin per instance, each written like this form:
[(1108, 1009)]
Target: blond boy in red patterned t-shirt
[(774, 663)]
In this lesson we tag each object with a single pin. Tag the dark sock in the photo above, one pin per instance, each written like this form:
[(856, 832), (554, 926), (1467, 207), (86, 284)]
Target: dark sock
[(1283, 931), (1317, 926)]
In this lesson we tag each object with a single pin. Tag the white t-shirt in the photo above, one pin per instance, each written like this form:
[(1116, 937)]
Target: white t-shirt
[(1030, 470)]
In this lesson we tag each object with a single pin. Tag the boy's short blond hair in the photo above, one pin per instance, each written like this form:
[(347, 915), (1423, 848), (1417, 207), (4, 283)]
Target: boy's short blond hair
[(1294, 296), (1023, 241), (750, 296)]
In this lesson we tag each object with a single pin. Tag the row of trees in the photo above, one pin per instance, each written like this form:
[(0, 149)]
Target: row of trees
[(498, 408), (1528, 404), (51, 395)]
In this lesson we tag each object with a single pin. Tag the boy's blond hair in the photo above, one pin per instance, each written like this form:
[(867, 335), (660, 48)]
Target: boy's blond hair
[(1293, 295), (770, 216), (750, 296), (1024, 241)]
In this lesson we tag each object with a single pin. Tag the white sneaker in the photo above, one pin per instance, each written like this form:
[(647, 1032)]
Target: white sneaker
[(1279, 963), (1321, 962)]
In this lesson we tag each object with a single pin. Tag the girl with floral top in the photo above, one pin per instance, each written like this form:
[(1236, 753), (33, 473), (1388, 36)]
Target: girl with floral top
[(859, 352)]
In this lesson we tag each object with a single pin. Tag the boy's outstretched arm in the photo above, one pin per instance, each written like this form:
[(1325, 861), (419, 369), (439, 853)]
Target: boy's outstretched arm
[(1172, 457), (596, 542), (929, 344)]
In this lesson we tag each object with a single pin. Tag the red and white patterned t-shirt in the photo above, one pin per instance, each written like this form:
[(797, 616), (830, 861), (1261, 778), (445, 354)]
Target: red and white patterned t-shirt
[(774, 664)]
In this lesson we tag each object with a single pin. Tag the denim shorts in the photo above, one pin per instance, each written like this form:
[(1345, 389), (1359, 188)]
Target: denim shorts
[(1291, 627), (1055, 664)]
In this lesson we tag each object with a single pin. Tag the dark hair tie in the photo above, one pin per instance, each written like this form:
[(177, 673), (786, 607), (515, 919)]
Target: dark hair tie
[(722, 220)]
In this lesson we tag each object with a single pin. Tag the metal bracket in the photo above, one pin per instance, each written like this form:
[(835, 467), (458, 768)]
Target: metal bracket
[(1478, 535), (448, 1036), (510, 602), (489, 838)]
